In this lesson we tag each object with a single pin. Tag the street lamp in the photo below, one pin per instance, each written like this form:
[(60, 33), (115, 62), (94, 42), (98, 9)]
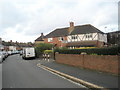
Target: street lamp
[(53, 50)]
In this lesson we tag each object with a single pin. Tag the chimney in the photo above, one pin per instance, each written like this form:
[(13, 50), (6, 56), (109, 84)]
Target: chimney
[(71, 28), (71, 24), (42, 35)]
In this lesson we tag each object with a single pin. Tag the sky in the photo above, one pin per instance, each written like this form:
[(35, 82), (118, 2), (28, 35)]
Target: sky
[(25, 20)]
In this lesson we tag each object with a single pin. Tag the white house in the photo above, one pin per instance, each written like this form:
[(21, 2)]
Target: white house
[(12, 48)]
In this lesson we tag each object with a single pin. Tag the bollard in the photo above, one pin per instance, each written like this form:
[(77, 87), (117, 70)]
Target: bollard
[(45, 56), (48, 57)]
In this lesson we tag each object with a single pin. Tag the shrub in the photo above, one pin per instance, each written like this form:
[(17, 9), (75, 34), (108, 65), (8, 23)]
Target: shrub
[(48, 51), (41, 47)]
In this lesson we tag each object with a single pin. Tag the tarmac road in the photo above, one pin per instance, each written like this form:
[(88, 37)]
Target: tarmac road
[(19, 73)]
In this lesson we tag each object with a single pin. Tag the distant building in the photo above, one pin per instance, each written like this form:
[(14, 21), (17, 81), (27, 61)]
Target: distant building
[(12, 48), (15, 45), (113, 38), (1, 46), (0, 41), (76, 36)]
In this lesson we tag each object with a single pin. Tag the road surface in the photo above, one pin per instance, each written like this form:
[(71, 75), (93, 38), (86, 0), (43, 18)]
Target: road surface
[(19, 73)]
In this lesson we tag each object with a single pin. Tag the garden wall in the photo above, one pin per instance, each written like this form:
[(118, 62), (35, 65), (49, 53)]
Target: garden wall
[(104, 63)]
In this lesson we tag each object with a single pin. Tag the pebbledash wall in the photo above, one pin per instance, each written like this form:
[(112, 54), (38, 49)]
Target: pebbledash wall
[(104, 63)]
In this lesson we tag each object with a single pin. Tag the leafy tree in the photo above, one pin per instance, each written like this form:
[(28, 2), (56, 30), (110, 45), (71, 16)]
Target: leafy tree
[(41, 47)]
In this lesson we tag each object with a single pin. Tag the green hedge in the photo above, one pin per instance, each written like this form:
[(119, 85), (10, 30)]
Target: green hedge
[(40, 48), (94, 51), (48, 51)]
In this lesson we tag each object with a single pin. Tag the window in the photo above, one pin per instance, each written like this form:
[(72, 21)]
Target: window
[(50, 39), (61, 39), (74, 37), (88, 35)]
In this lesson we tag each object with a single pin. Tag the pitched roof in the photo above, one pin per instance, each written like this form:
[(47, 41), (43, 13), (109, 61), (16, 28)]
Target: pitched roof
[(85, 29), (40, 38), (81, 29), (58, 33)]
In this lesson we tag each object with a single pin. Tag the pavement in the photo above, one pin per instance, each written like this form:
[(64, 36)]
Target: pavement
[(102, 79)]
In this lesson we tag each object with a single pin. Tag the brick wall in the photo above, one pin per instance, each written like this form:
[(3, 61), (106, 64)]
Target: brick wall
[(56, 41), (104, 63), (100, 44)]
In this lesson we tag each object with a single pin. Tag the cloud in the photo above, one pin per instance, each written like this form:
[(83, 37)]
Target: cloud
[(28, 18), (11, 15)]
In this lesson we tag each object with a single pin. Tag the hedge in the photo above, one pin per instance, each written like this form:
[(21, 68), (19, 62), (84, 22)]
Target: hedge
[(48, 51), (41, 47), (94, 51)]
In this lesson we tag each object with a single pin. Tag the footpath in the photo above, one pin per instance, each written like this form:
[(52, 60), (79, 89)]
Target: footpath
[(105, 80)]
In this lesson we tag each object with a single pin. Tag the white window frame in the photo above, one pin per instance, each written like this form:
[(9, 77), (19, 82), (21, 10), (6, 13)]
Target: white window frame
[(73, 37), (50, 39), (89, 36), (61, 38)]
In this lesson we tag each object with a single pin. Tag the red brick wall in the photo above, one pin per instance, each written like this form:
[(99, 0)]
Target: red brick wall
[(104, 63), (100, 44), (56, 41)]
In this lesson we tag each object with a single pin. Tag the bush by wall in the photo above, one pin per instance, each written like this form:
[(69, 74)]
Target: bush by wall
[(40, 48), (98, 51), (48, 51)]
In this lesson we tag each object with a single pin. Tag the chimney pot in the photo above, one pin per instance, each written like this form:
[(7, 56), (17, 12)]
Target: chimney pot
[(71, 28), (42, 35), (71, 24)]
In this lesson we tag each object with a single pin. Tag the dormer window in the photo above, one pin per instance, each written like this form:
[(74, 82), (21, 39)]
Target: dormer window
[(50, 39)]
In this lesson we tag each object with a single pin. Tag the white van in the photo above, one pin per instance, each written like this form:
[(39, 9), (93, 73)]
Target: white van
[(28, 52)]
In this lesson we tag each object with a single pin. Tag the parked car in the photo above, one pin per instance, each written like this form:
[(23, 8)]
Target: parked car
[(9, 52), (5, 53), (1, 57)]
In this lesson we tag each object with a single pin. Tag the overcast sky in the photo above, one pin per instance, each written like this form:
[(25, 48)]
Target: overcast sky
[(25, 20)]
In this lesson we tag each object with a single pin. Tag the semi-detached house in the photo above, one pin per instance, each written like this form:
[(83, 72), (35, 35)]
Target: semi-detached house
[(76, 36)]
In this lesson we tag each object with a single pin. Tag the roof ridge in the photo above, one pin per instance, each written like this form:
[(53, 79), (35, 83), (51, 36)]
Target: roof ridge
[(83, 25), (68, 27), (61, 28)]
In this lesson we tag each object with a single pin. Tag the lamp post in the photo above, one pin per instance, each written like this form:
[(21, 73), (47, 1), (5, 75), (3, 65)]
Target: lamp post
[(53, 51)]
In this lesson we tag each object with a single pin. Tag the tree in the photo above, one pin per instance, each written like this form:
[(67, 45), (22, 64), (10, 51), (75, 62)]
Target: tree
[(41, 47)]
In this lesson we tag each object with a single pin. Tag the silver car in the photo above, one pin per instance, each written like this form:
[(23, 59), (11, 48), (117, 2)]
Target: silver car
[(1, 57)]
